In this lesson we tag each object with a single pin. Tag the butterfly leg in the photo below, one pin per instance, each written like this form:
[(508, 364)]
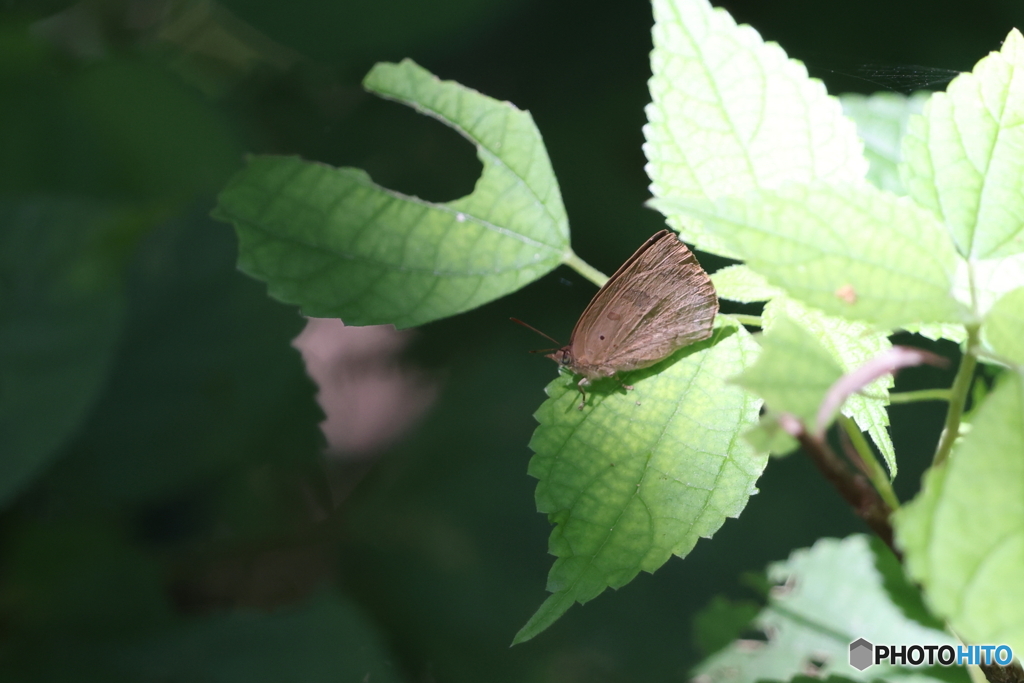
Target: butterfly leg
[(583, 383)]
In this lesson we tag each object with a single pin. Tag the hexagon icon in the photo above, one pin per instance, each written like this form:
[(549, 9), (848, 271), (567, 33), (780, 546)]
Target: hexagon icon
[(861, 654)]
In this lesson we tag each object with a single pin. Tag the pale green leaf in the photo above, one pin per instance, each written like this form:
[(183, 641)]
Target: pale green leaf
[(984, 281), (793, 371), (829, 596), (769, 436), (987, 280), (964, 158), (870, 414), (936, 331), (338, 245), (1003, 327), (853, 251), (851, 344), (963, 536), (731, 113), (740, 283), (881, 120), (640, 475)]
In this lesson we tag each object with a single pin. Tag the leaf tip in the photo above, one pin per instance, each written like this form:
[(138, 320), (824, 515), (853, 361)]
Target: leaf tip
[(548, 613)]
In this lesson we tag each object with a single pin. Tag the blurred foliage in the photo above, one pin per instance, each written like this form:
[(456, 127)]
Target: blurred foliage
[(823, 598), (168, 511)]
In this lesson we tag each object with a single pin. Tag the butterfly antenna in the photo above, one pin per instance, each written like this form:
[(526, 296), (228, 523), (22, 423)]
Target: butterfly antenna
[(531, 327)]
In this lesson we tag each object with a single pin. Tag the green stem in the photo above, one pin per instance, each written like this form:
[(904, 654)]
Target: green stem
[(958, 396), (921, 395), (585, 269), (752, 320), (876, 473)]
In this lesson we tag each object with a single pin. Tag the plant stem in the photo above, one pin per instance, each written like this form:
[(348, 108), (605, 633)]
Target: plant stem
[(958, 396), (752, 320), (876, 473), (853, 487), (585, 269), (921, 395)]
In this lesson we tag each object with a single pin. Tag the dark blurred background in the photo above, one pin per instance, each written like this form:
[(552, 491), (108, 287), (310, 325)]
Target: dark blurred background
[(171, 510)]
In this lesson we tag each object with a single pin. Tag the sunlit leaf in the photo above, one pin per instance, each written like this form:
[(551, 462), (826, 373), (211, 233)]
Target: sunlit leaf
[(835, 248), (640, 475), (963, 536), (881, 120), (731, 113), (987, 280), (740, 283), (964, 158), (769, 436), (1003, 326), (793, 371), (851, 344), (828, 596), (936, 331), (339, 245)]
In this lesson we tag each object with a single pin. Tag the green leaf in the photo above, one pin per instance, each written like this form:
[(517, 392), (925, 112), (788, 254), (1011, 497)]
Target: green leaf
[(638, 476), (61, 313), (988, 280), (1002, 327), (730, 113), (338, 245), (983, 281), (740, 283), (204, 382), (903, 593), (851, 344), (80, 574), (963, 156), (157, 137), (936, 331), (793, 371), (324, 640), (882, 120), (827, 596), (722, 622), (769, 436), (853, 251), (963, 536)]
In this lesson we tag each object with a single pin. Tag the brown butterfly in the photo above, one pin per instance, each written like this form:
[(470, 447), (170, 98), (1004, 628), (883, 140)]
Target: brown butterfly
[(658, 301)]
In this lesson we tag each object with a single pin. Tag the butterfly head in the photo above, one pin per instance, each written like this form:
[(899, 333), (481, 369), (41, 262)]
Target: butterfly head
[(563, 357)]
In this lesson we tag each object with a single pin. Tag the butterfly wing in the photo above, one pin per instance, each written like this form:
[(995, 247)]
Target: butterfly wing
[(658, 301), (586, 343)]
